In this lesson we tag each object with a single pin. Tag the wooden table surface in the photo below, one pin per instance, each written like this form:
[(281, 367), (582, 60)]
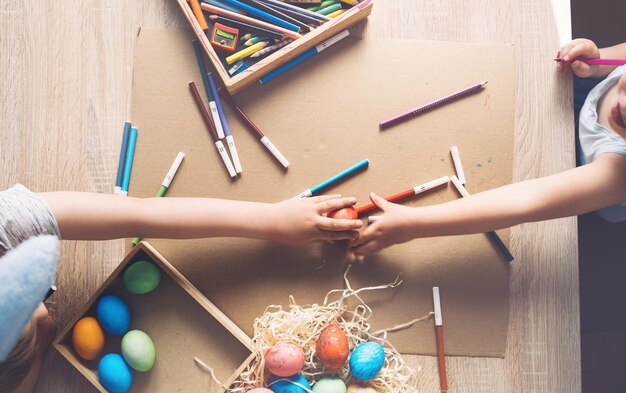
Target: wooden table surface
[(65, 90)]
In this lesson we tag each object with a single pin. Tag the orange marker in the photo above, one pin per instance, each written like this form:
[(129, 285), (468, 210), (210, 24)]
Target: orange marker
[(195, 6)]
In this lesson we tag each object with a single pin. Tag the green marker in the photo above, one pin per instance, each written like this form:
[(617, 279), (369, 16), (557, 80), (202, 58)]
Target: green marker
[(330, 9), (167, 181), (323, 4)]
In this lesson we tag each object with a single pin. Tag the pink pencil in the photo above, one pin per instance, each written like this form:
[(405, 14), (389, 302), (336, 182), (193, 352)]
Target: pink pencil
[(433, 104), (595, 61)]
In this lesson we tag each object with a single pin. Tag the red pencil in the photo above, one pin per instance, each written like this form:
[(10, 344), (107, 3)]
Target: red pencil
[(443, 380), (405, 194)]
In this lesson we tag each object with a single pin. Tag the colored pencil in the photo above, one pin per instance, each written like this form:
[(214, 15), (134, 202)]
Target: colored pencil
[(263, 15), (441, 359), (257, 26), (256, 40), (294, 8), (209, 94), (207, 121), (493, 235), (128, 164), (433, 104), (408, 193), (297, 15), (165, 184), (594, 61), (458, 166), (252, 127), (230, 141), (271, 49), (277, 13), (246, 52), (299, 59), (334, 179), (197, 11), (122, 160), (246, 36), (335, 14), (220, 4), (329, 10)]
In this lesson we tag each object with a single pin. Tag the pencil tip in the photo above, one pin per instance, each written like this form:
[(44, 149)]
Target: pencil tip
[(483, 83), (558, 60)]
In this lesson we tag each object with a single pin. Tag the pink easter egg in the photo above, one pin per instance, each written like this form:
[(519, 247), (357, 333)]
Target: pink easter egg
[(357, 388), (284, 360), (260, 390)]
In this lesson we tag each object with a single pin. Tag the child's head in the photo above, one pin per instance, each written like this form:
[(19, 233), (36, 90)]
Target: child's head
[(618, 108), (14, 369)]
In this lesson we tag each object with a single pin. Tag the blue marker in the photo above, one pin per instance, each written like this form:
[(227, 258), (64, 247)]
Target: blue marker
[(209, 94), (263, 15), (304, 56), (120, 165), (230, 141), (128, 165), (333, 179)]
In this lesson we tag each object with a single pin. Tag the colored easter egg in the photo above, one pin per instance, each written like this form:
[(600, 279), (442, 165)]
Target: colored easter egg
[(367, 360), (114, 373), (348, 213), (260, 390), (332, 347), (330, 385), (88, 338), (289, 386), (142, 277), (113, 315), (284, 359), (356, 388), (138, 350)]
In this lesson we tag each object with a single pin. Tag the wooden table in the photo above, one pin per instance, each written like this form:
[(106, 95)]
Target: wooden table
[(65, 92)]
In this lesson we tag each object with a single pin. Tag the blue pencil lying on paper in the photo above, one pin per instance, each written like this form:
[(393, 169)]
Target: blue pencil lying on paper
[(314, 190)]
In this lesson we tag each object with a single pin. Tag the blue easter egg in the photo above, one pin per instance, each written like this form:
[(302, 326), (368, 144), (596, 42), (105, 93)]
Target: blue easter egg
[(114, 374), (289, 387), (113, 315), (367, 360)]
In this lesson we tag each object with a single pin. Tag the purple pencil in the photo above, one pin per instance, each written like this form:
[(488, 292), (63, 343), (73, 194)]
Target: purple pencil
[(433, 104), (595, 61)]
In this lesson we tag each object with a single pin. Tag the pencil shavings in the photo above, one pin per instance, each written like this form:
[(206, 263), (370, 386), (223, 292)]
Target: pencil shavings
[(303, 324)]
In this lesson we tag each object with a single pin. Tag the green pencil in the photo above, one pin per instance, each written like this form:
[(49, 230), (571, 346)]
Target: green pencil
[(254, 40), (330, 9), (167, 181)]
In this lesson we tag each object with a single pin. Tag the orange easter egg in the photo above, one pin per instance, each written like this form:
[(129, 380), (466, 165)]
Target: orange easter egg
[(348, 213), (88, 338), (332, 347)]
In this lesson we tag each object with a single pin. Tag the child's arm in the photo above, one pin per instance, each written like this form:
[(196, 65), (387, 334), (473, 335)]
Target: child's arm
[(580, 190), (581, 47), (88, 216)]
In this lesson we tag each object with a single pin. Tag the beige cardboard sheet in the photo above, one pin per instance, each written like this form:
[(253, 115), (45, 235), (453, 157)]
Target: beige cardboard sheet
[(323, 116)]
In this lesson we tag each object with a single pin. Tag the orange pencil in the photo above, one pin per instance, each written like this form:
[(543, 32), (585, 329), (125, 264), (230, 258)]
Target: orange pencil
[(443, 380), (195, 6)]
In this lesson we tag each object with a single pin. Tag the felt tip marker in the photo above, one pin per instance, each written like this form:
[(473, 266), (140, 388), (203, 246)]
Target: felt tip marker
[(120, 166), (441, 360), (334, 179), (408, 193), (299, 59), (458, 166), (165, 184), (492, 234), (128, 165), (230, 141), (205, 81)]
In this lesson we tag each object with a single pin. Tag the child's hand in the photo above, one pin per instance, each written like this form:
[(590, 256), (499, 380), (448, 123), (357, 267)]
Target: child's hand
[(301, 221), (394, 227), (579, 47)]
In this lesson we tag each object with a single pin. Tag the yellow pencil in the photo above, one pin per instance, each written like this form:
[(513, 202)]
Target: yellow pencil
[(335, 14), (246, 52)]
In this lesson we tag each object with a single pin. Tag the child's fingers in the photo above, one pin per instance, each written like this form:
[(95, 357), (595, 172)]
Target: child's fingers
[(338, 224), (566, 48), (381, 202), (336, 203), (582, 49), (323, 198), (368, 248), (580, 68), (366, 235), (340, 235)]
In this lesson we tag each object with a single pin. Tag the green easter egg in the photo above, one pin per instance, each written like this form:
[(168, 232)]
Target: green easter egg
[(330, 385), (138, 350), (142, 277)]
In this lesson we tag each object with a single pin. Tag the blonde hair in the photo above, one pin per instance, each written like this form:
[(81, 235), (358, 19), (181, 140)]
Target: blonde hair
[(18, 363)]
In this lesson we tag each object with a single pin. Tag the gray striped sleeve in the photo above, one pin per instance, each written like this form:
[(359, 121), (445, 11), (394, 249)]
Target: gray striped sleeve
[(23, 214)]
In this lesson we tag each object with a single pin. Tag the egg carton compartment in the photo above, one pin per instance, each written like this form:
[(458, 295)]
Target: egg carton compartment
[(182, 324)]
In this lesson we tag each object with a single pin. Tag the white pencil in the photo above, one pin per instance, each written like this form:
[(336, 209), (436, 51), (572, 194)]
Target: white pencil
[(456, 158)]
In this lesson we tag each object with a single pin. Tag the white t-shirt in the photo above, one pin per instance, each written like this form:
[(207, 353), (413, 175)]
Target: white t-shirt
[(596, 139)]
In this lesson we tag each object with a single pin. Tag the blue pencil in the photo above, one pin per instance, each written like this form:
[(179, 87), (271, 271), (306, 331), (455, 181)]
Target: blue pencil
[(120, 165), (220, 4), (128, 165), (230, 141), (304, 56), (263, 15), (209, 94), (334, 179)]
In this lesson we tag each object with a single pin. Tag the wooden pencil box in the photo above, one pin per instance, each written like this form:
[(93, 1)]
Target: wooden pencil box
[(182, 323), (283, 55)]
